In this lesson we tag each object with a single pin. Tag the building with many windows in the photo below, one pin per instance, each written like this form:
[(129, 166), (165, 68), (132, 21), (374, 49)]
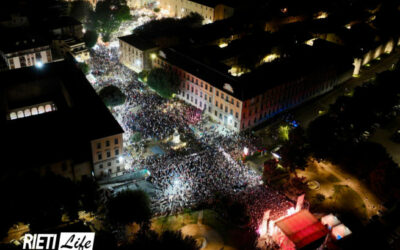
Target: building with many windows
[(53, 120), (136, 52), (21, 49), (240, 100), (72, 46), (210, 10)]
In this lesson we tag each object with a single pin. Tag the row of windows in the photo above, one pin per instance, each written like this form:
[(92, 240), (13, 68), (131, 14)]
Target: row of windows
[(109, 165), (108, 154), (107, 143), (226, 97)]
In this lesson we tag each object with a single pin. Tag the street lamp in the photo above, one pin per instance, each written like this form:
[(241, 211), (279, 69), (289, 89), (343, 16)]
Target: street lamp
[(39, 64)]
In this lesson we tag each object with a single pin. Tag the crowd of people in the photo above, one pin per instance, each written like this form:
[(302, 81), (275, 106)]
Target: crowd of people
[(209, 164)]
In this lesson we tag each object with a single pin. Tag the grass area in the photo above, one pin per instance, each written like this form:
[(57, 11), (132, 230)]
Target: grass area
[(332, 178), (347, 200), (231, 235)]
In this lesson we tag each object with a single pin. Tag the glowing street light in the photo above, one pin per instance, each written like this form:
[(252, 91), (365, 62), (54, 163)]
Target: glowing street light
[(39, 64), (153, 56)]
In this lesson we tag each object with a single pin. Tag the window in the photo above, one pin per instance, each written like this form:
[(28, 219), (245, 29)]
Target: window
[(216, 113), (226, 109), (99, 145), (206, 87), (201, 94), (235, 124), (101, 166), (209, 99), (192, 89), (216, 103), (197, 82), (237, 115), (109, 164), (205, 97), (195, 101), (221, 106), (237, 104), (217, 93), (116, 141), (201, 84), (231, 112), (211, 89), (222, 95), (196, 92), (209, 109), (99, 157), (107, 143), (108, 153), (187, 96), (116, 151), (118, 169)]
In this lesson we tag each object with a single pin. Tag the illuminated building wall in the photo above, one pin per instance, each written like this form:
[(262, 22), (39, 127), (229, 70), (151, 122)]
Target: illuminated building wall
[(217, 103), (135, 57), (107, 153), (210, 13), (27, 57)]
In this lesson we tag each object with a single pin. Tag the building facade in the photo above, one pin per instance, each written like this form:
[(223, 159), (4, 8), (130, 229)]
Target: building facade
[(234, 104), (136, 54), (209, 10), (107, 156), (75, 47), (19, 58)]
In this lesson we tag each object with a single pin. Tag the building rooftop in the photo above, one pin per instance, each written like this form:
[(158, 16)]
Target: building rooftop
[(302, 228), (138, 42), (299, 63), (65, 133), (20, 39)]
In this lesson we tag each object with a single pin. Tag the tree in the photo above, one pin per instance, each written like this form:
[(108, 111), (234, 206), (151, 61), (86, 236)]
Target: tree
[(89, 194), (128, 207), (80, 10), (112, 96), (90, 38), (84, 67), (165, 83), (108, 16)]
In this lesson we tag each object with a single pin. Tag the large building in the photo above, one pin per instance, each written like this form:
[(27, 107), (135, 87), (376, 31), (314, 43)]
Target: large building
[(240, 98), (136, 53), (53, 120), (72, 46), (210, 10), (21, 49)]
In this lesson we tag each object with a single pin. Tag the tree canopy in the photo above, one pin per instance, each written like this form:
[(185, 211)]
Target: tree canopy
[(80, 10), (90, 38), (108, 16), (165, 83), (112, 96), (128, 207)]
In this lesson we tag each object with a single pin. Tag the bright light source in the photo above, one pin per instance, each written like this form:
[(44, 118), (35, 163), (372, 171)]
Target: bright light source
[(137, 62), (121, 159), (270, 58), (246, 151), (39, 64), (276, 156), (153, 56), (223, 45)]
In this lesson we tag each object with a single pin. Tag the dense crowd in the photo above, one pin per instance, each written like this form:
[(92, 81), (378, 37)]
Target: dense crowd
[(192, 175)]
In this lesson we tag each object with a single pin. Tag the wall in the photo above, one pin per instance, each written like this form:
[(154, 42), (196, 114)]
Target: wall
[(107, 164)]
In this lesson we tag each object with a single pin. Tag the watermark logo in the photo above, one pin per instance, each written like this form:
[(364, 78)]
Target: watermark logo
[(67, 241)]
